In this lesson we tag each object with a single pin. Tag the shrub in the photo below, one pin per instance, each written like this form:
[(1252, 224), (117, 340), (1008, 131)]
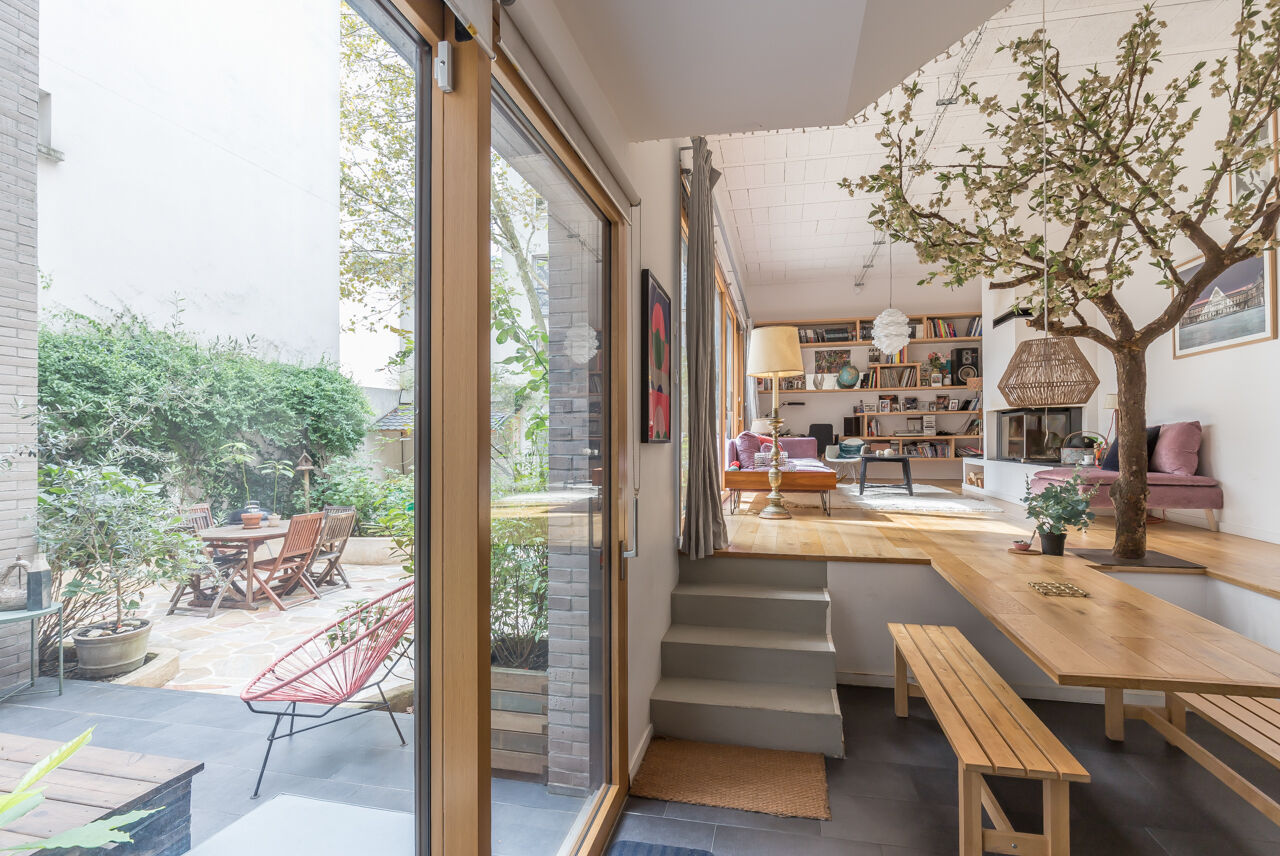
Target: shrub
[(175, 402), (107, 537), (350, 481), (518, 591)]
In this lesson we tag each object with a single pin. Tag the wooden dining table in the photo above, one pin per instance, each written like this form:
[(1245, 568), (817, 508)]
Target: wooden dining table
[(1117, 637), (237, 537)]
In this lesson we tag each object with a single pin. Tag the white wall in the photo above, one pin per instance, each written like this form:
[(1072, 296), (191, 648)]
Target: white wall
[(201, 159), (653, 574)]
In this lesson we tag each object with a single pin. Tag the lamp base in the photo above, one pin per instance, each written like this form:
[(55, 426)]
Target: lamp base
[(775, 510)]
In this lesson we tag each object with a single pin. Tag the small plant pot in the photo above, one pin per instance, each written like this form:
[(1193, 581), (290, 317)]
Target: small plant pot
[(251, 519), (110, 654), (1052, 544), (273, 519)]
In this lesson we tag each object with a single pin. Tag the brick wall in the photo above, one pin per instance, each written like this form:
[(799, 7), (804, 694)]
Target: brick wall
[(19, 97)]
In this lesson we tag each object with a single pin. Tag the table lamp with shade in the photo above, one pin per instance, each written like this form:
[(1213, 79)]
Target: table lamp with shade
[(775, 354)]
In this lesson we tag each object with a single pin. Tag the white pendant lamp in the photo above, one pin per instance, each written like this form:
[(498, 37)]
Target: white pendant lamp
[(891, 331)]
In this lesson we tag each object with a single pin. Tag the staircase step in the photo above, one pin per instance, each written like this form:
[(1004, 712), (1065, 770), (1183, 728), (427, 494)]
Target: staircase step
[(800, 609), (749, 654), (765, 715), (723, 569)]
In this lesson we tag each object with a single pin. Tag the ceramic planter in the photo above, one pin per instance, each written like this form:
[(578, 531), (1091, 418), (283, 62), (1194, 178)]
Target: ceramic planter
[(273, 519), (111, 654), (251, 519), (1052, 544)]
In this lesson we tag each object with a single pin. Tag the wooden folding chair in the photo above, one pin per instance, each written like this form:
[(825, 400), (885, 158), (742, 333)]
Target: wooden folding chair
[(339, 523), (289, 566), (212, 583)]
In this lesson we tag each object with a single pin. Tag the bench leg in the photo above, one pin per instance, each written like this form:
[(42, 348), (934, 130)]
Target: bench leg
[(1177, 711), (970, 813), (1212, 518), (1057, 818), (900, 697), (1114, 703)]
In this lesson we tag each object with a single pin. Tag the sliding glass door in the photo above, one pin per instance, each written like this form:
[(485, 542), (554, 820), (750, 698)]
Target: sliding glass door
[(549, 398)]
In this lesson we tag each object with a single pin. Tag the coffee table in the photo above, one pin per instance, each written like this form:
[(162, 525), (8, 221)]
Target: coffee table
[(903, 460)]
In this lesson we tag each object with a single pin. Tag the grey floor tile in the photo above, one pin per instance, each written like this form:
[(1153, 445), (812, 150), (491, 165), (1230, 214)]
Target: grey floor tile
[(662, 830), (861, 778), (897, 822), (739, 841), (1184, 843), (642, 805), (746, 819), (532, 794)]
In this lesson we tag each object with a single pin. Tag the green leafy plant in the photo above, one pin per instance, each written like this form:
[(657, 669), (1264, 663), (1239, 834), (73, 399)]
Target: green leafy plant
[(518, 558), (276, 469), (1107, 154), (107, 536), (154, 401), (26, 797), (1059, 507), (237, 456)]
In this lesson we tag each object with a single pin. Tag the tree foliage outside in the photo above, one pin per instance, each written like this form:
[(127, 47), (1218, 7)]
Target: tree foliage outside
[(158, 404), (1103, 155)]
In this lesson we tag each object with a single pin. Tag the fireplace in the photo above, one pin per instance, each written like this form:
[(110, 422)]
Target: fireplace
[(1035, 435)]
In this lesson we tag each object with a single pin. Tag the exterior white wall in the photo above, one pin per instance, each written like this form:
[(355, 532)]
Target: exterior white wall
[(201, 160)]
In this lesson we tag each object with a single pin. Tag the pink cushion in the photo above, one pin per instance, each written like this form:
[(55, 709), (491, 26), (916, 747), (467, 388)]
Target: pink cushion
[(1178, 449), (748, 444)]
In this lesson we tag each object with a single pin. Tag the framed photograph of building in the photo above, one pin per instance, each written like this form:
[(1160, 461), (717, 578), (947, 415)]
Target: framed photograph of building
[(655, 359), (1237, 308)]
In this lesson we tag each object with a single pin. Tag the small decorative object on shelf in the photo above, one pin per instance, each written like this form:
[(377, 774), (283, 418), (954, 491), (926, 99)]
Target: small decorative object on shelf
[(13, 591), (848, 377), (39, 589)]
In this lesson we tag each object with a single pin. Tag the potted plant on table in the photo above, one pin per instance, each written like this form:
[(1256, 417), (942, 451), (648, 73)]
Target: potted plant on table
[(238, 455), (107, 537), (1058, 507), (275, 469)]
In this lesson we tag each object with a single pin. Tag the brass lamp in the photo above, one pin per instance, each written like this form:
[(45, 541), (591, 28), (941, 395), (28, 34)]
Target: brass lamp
[(775, 354)]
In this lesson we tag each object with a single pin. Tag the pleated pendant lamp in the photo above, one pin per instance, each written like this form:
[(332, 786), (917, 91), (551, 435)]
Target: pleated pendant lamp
[(1049, 371)]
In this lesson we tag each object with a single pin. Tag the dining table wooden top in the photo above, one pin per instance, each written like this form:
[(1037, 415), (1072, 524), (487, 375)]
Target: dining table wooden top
[(236, 533), (1118, 636)]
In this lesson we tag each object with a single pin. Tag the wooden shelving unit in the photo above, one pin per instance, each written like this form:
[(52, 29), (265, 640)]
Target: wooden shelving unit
[(955, 327)]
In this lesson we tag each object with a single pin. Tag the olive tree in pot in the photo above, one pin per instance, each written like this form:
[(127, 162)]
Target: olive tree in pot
[(108, 536), (1058, 507)]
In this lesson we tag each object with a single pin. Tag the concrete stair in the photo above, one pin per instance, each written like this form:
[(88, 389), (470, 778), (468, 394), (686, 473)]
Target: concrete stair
[(748, 659)]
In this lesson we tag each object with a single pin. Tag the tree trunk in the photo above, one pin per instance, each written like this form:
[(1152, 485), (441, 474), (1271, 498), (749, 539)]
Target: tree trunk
[(1129, 493)]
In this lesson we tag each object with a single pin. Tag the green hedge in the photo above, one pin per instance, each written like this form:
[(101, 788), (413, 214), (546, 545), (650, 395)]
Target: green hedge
[(160, 403)]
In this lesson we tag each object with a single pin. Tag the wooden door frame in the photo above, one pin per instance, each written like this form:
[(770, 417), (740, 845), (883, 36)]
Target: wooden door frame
[(455, 773)]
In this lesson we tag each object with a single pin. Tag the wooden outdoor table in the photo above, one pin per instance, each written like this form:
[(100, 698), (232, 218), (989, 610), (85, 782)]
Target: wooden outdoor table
[(236, 536), (1117, 638)]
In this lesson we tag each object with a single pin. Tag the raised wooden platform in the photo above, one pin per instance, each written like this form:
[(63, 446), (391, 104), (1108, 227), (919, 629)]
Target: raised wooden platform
[(96, 783)]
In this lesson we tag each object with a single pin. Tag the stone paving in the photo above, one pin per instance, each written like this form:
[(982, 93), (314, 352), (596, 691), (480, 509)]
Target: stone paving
[(222, 654)]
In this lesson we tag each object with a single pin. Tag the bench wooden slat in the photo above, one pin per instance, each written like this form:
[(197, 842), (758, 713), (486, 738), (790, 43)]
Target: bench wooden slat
[(1058, 755), (75, 787), (1002, 758), (1240, 720), (962, 741), (103, 762), (1006, 722)]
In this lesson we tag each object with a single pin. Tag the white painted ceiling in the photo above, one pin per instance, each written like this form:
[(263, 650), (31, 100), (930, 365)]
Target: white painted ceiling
[(676, 68), (801, 242)]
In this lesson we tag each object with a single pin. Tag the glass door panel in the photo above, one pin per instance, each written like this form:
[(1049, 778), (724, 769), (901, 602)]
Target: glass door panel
[(549, 386)]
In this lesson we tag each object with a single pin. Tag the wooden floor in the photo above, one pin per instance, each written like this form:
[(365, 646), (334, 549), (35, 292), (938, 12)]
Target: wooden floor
[(852, 534)]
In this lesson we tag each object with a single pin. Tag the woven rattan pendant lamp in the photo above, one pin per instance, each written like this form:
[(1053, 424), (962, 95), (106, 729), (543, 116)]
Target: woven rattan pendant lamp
[(1049, 371)]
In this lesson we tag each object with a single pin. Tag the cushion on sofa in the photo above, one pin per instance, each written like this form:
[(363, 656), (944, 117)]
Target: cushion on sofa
[(1178, 449), (748, 444), (1112, 459)]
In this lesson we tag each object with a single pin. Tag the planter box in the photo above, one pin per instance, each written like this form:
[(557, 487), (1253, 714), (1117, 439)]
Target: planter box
[(518, 719), (371, 551)]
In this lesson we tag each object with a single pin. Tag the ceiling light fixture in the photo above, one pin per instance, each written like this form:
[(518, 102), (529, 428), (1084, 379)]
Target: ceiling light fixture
[(892, 330)]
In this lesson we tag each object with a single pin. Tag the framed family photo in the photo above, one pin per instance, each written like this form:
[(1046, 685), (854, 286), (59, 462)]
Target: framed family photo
[(655, 360), (1237, 308)]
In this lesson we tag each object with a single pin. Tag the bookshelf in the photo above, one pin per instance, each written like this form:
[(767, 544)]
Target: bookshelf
[(902, 381)]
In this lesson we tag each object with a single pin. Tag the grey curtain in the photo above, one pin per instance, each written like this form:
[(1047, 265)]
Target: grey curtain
[(704, 529)]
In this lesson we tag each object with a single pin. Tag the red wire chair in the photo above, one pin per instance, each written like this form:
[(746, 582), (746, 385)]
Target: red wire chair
[(332, 665)]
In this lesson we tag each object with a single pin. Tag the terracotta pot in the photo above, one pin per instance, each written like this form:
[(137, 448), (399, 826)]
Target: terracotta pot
[(251, 519), (113, 654)]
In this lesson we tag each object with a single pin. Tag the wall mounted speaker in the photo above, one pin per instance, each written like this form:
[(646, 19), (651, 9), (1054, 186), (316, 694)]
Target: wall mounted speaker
[(850, 426), (966, 373)]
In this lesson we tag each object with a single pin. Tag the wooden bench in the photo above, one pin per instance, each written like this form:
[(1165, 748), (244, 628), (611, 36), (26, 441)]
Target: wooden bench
[(96, 783), (992, 732), (1252, 722)]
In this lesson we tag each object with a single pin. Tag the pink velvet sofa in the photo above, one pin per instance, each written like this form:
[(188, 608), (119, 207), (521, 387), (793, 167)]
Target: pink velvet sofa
[(1178, 450), (801, 451)]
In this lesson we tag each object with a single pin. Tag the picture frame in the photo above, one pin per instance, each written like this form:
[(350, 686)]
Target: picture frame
[(943, 401), (953, 404), (657, 390), (910, 402), (915, 425), (1238, 308), (831, 360), (933, 406)]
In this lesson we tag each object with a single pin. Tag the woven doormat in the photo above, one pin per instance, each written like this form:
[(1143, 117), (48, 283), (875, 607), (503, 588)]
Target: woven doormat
[(786, 784)]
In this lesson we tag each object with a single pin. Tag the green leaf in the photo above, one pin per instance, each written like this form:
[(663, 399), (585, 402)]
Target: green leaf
[(53, 761), (98, 833)]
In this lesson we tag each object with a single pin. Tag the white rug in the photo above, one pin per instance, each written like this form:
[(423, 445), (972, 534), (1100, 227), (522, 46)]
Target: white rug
[(928, 499)]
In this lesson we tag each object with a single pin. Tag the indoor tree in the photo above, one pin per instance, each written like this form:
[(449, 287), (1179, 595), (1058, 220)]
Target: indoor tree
[(1102, 158)]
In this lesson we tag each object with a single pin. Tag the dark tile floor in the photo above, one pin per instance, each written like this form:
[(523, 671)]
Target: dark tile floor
[(895, 795), (359, 761)]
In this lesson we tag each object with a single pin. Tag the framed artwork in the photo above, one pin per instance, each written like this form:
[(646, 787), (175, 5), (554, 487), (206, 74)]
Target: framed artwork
[(655, 358), (830, 361), (953, 404), (1237, 308), (1255, 180)]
